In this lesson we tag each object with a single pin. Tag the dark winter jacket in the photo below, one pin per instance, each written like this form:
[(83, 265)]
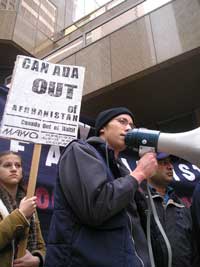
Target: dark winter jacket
[(95, 211), (177, 224), (195, 210)]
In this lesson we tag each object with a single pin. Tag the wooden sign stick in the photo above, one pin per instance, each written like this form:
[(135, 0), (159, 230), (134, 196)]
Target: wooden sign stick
[(30, 192)]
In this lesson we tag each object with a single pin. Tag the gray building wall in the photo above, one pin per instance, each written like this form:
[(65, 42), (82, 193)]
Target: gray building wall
[(145, 60)]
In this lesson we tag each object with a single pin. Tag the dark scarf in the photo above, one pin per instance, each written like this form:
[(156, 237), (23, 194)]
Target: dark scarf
[(11, 205)]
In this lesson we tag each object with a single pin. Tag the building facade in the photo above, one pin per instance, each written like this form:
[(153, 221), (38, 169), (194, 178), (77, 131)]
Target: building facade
[(141, 54)]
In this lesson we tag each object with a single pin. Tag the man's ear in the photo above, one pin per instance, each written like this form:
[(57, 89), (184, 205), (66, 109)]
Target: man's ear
[(101, 131)]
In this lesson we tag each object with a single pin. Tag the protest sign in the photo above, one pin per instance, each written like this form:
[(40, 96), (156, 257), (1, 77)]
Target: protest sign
[(42, 107), (43, 103)]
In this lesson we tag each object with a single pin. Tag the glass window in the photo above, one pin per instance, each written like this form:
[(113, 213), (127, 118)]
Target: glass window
[(8, 4), (41, 14), (84, 7), (123, 19), (66, 51)]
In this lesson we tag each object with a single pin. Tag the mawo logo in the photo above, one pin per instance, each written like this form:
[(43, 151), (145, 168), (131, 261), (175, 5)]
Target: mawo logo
[(20, 133)]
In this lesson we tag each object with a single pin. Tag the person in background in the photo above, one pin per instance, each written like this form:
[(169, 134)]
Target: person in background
[(95, 220), (195, 211), (174, 217), (17, 213)]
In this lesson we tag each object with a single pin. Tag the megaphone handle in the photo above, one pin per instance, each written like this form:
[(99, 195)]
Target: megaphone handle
[(145, 149)]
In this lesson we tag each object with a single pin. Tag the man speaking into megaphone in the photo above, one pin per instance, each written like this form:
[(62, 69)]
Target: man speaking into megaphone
[(95, 216)]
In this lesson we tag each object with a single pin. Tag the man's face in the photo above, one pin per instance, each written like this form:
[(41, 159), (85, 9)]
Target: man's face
[(164, 174), (114, 132)]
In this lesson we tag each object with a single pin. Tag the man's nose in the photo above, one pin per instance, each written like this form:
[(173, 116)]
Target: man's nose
[(170, 166), (128, 127)]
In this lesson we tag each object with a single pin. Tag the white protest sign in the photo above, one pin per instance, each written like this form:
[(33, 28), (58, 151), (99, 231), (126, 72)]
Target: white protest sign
[(43, 103)]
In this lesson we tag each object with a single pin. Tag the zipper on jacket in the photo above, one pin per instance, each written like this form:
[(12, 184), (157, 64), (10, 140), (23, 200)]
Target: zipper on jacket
[(140, 260), (13, 251)]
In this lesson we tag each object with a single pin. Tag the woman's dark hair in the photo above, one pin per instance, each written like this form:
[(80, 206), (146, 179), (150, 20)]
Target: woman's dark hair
[(7, 153)]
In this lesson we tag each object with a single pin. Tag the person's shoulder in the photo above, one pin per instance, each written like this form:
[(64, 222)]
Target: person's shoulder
[(197, 189), (73, 144), (76, 146), (90, 143), (196, 197)]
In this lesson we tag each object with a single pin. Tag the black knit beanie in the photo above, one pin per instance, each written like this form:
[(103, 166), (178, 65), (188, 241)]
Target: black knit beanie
[(107, 115)]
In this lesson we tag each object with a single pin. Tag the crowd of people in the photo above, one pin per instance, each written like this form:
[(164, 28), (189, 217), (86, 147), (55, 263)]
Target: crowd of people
[(104, 214)]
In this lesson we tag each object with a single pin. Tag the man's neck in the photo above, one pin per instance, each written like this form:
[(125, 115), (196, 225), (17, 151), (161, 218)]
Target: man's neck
[(160, 189), (116, 152)]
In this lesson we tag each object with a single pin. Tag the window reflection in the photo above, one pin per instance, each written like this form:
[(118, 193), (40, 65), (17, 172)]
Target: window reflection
[(66, 51), (123, 19), (108, 27), (40, 13), (8, 4), (85, 7)]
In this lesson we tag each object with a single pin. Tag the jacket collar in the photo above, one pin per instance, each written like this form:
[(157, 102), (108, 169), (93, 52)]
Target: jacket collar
[(169, 198), (3, 210)]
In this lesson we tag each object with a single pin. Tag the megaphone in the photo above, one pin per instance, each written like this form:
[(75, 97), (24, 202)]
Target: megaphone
[(185, 145)]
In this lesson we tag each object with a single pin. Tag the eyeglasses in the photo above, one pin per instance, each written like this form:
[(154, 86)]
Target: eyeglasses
[(125, 122)]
